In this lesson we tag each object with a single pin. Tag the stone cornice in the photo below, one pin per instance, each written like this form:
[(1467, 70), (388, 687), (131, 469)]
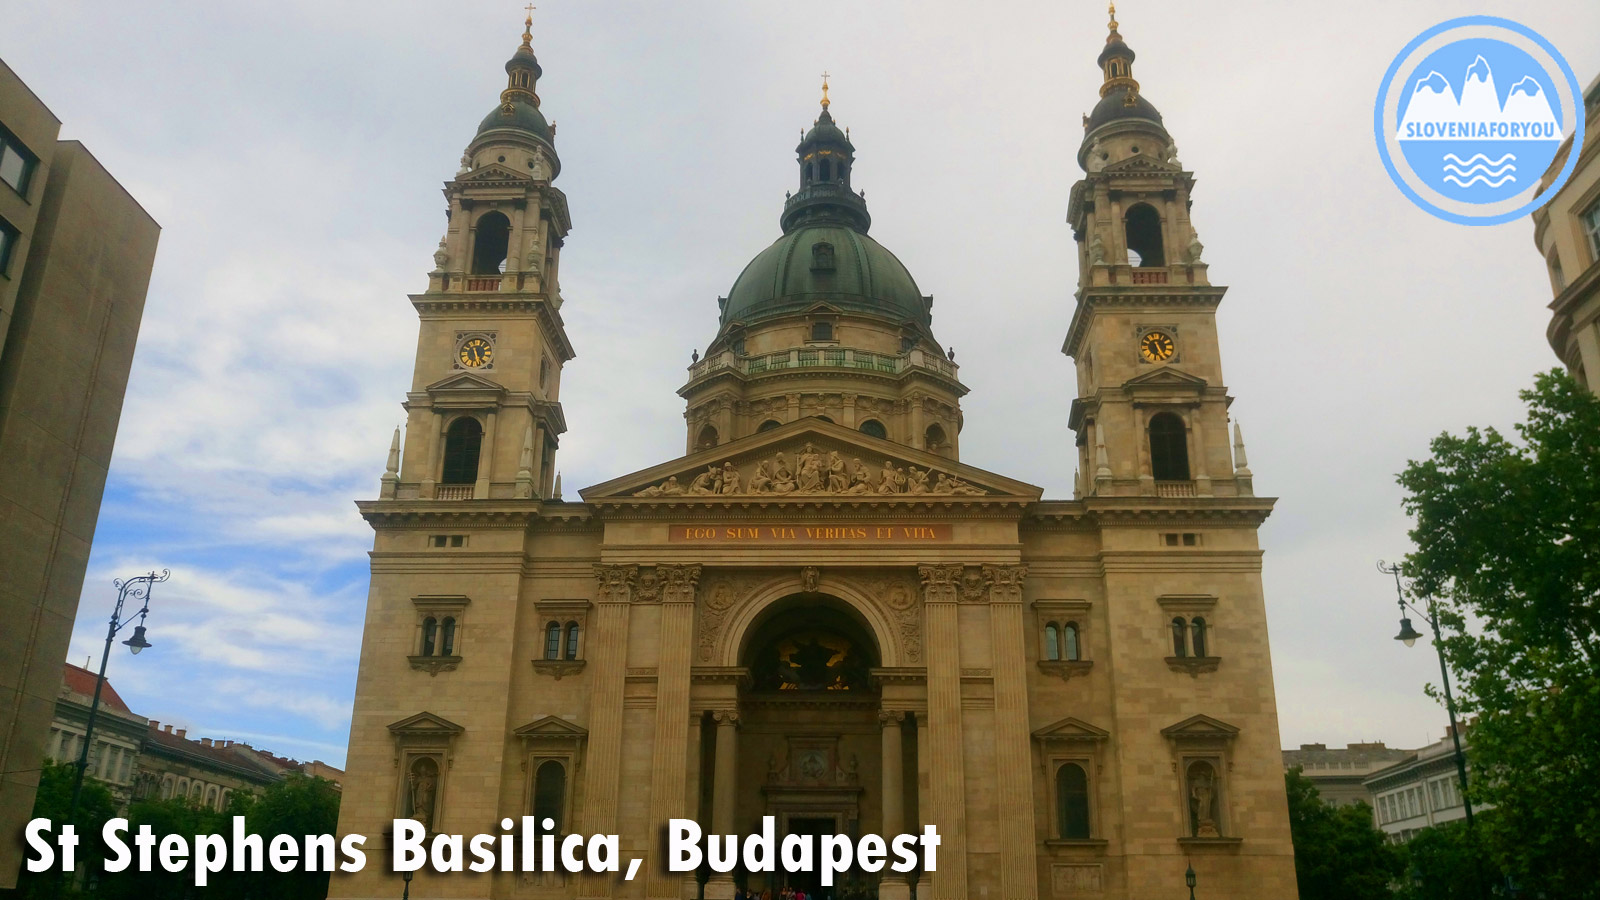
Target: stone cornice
[(1204, 296), (829, 373), (454, 303), (836, 507)]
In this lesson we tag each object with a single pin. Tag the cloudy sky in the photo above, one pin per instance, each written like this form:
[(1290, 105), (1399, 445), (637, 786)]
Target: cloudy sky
[(293, 153)]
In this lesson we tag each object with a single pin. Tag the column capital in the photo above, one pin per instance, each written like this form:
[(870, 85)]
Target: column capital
[(678, 582), (725, 717), (616, 582), (940, 583), (888, 717), (1005, 583)]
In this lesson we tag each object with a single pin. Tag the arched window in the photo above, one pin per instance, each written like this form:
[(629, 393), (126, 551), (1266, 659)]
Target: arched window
[(552, 641), (447, 636), (489, 247), (196, 790), (822, 331), (768, 425), (1069, 642), (934, 439), (166, 788), (211, 797), (1072, 801), (462, 442), (707, 438), (827, 170), (1144, 236), (430, 635), (550, 795), (1052, 642), (1180, 647), (1169, 448), (874, 428), (1197, 631), (572, 640)]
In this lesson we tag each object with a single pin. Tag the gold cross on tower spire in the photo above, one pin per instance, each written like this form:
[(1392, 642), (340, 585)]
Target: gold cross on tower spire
[(527, 26), (824, 90)]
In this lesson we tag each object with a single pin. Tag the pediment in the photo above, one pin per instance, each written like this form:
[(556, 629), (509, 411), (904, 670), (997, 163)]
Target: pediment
[(464, 381), (1200, 726), (551, 728), (425, 723), (1071, 729), (1136, 165), (491, 173), (1166, 377), (809, 459)]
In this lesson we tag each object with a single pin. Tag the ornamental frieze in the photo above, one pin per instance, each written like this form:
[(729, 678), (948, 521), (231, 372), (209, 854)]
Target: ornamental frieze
[(812, 472)]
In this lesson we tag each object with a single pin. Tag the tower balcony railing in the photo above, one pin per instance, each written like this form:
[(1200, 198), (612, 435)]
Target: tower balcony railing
[(822, 358), (1174, 489), (1177, 273), (452, 282), (453, 492)]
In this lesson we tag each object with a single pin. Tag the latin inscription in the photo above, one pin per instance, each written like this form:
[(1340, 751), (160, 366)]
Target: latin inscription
[(811, 534)]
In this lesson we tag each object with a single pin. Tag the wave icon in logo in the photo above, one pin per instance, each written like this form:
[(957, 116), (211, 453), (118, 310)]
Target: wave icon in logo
[(1460, 142)]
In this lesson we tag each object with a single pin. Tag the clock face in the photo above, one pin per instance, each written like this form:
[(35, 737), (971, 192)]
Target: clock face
[(1156, 346), (475, 353)]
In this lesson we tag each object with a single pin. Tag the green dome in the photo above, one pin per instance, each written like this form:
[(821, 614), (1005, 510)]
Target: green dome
[(793, 274), (524, 116)]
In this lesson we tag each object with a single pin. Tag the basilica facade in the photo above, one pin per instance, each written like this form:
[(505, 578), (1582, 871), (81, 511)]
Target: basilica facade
[(820, 613)]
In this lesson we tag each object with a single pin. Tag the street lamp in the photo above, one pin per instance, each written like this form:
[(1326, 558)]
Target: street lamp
[(1409, 636), (1188, 879), (137, 589), (406, 877)]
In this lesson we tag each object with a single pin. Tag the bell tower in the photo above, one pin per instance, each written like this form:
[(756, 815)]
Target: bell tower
[(484, 412), (1151, 416)]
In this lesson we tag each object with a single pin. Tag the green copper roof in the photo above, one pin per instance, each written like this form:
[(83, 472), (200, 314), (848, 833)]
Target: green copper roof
[(524, 116), (792, 275)]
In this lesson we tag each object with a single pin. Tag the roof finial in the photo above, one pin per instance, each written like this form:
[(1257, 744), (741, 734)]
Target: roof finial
[(1112, 10), (527, 27), (824, 90)]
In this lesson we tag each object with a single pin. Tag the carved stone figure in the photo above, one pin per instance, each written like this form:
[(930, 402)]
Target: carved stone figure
[(761, 481), (1202, 802), (1097, 251), (1172, 154), (423, 787), (707, 482), (1096, 158), (441, 256), (860, 478), (916, 481), (671, 487), (782, 475), (811, 475), (838, 479), (1195, 247), (810, 579), (730, 478)]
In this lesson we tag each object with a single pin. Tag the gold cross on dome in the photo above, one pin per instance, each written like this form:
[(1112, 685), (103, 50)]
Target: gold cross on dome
[(824, 89)]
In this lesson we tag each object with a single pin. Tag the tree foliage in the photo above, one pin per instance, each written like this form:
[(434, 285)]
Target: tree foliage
[(1338, 853), (1507, 542), (54, 799)]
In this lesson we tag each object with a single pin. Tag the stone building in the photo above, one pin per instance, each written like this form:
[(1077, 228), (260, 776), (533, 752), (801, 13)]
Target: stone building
[(1567, 232), (1338, 773), (1420, 790), (204, 770), (75, 258), (820, 613), (118, 732)]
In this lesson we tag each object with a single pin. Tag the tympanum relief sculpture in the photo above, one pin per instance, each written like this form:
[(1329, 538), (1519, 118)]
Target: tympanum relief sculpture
[(812, 472)]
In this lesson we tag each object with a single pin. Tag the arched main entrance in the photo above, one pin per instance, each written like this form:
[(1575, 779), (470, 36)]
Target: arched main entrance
[(813, 744)]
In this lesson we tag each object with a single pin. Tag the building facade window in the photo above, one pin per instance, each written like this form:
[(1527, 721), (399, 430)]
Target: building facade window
[(1072, 802), (1591, 229), (1069, 642), (1180, 644), (1169, 448), (874, 428), (552, 641), (550, 795), (439, 635), (463, 441), (8, 241), (16, 163), (571, 650), (1197, 637), (1052, 642)]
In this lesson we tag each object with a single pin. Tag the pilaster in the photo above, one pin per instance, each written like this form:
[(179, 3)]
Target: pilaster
[(1018, 864), (947, 787), (667, 787)]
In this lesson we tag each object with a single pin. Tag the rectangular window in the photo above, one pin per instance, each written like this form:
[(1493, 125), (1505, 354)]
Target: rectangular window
[(8, 243), (16, 163), (1591, 229)]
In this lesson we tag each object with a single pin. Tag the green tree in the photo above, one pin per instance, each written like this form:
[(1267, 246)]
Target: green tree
[(1508, 544), (1445, 862), (1338, 853), (95, 806), (297, 806)]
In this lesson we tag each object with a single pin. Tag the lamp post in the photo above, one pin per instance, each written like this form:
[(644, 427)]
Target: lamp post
[(1409, 636), (406, 877), (138, 590), (1188, 879)]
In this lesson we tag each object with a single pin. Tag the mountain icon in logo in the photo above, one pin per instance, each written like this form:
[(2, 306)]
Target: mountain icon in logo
[(1435, 114)]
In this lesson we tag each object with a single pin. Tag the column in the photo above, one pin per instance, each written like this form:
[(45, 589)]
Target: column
[(947, 787), (430, 477), (607, 650), (1141, 448), (1019, 878), (724, 782), (917, 437), (924, 779), (847, 416), (1197, 457), (667, 788), (893, 885), (480, 491)]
